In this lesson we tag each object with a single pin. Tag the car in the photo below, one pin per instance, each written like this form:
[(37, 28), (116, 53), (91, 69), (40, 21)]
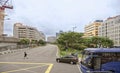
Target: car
[(68, 59)]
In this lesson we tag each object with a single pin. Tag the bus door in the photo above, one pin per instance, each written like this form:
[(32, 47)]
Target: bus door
[(97, 63)]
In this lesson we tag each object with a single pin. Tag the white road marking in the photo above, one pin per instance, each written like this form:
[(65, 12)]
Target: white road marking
[(79, 68)]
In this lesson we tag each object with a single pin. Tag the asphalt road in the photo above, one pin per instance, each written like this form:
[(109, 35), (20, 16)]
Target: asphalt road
[(40, 60)]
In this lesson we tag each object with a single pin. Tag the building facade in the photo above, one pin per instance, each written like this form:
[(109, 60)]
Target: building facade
[(51, 39), (21, 31), (92, 28), (111, 29), (8, 43), (1, 21)]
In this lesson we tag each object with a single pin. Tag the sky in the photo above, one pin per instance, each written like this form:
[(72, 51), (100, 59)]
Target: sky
[(51, 16)]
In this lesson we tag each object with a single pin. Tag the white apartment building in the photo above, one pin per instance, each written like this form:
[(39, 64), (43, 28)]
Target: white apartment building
[(51, 39), (111, 29), (22, 31)]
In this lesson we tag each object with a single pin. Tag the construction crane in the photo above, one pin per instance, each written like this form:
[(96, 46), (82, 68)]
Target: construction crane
[(6, 4), (3, 5)]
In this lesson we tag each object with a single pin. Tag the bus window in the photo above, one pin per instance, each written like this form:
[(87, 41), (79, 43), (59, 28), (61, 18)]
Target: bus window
[(108, 57)]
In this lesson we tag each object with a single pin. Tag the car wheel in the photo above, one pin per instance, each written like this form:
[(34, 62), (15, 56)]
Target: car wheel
[(71, 62), (58, 60)]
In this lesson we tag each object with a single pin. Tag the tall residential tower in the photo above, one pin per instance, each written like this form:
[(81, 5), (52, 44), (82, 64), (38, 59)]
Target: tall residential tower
[(92, 28), (111, 29)]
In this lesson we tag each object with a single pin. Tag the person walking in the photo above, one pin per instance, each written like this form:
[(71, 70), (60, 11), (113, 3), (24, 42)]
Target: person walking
[(25, 55)]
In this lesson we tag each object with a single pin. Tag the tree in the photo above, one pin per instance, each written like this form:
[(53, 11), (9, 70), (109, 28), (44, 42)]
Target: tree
[(70, 40), (88, 42), (96, 41), (101, 42), (24, 41), (41, 42), (75, 40), (106, 42), (34, 42)]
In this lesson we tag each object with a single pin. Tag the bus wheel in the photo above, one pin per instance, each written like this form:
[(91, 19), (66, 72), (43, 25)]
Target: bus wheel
[(112, 71)]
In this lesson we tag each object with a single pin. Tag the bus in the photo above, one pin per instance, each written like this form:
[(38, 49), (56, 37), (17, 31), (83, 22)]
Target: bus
[(100, 60)]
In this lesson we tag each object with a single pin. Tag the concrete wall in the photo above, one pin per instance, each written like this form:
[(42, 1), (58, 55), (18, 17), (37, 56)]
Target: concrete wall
[(8, 43), (9, 39)]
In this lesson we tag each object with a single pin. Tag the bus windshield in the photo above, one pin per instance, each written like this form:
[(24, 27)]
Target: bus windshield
[(86, 59)]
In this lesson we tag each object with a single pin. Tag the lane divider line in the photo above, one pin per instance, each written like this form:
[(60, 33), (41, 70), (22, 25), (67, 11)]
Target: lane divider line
[(22, 63), (23, 69), (49, 68), (45, 64)]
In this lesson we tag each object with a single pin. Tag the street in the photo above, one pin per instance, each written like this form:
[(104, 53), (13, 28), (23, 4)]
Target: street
[(40, 60)]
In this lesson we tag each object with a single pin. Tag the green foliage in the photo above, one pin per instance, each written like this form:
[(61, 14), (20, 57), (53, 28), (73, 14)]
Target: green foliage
[(106, 42), (68, 42), (34, 42), (99, 42), (74, 40), (69, 52), (41, 42), (87, 42), (79, 46), (24, 41), (71, 40)]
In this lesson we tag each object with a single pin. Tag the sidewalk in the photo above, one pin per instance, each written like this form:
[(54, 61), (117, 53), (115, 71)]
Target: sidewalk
[(12, 51)]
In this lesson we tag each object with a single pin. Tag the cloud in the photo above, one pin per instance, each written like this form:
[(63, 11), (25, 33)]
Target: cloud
[(50, 16)]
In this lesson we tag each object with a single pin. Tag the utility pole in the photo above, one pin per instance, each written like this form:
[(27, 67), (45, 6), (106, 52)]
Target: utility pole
[(74, 28)]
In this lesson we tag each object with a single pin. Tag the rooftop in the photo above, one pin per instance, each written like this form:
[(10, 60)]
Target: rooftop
[(103, 49)]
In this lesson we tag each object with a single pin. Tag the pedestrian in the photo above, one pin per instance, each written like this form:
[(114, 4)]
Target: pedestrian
[(25, 55)]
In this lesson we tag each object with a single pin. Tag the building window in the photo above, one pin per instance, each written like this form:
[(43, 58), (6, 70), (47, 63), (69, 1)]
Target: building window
[(119, 21)]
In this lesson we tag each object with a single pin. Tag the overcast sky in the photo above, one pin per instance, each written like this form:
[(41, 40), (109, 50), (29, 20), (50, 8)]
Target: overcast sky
[(50, 16)]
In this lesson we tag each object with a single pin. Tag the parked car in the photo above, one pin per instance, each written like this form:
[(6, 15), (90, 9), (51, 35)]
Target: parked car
[(68, 59)]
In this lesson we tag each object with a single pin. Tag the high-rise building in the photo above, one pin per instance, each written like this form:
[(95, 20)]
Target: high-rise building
[(1, 21), (51, 39), (111, 29), (92, 28), (31, 33)]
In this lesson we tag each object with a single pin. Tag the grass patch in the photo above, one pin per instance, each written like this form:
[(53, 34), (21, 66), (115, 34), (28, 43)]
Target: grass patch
[(69, 51)]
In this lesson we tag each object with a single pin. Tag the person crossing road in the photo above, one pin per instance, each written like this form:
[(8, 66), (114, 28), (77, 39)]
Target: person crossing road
[(25, 55)]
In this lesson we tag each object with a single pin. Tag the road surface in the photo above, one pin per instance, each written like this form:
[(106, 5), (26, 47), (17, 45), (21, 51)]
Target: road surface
[(40, 60)]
